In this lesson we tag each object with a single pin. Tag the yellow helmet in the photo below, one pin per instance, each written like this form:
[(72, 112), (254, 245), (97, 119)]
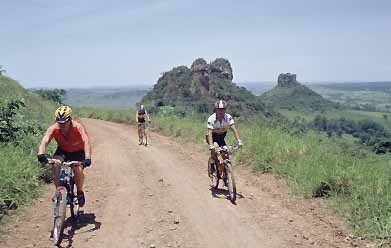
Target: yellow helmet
[(63, 114)]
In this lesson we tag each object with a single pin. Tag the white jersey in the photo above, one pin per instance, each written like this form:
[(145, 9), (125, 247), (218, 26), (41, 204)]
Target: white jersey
[(220, 126)]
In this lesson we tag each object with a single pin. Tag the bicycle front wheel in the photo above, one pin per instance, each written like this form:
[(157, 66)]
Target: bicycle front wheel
[(59, 216), (213, 175), (230, 182)]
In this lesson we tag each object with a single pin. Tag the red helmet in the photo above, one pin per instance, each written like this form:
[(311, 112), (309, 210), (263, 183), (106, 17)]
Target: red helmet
[(221, 104)]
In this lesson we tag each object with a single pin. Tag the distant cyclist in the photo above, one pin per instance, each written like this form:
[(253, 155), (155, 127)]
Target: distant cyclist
[(141, 115), (72, 145), (218, 125)]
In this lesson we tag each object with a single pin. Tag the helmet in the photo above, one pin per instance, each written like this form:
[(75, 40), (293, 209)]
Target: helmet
[(141, 107), (63, 114), (221, 104)]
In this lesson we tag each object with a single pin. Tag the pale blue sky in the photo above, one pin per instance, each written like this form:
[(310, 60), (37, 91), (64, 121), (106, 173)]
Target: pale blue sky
[(68, 43)]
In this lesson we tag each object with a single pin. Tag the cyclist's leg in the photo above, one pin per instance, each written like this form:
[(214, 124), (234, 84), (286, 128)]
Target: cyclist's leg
[(60, 155), (78, 170), (79, 175)]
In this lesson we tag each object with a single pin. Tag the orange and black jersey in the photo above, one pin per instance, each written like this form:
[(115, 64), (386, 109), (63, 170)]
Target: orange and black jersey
[(74, 141)]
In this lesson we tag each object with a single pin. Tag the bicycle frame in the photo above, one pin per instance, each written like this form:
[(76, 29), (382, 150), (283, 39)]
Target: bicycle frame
[(63, 196)]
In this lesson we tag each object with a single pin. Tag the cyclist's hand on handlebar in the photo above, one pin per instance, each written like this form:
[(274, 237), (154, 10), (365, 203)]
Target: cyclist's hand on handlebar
[(240, 144), (42, 159), (86, 162), (211, 147)]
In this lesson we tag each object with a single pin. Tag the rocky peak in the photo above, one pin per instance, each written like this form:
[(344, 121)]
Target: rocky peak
[(221, 67), (286, 80)]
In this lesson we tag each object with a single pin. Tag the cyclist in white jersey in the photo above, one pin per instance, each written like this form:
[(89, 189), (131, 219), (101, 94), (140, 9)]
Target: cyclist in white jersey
[(218, 125)]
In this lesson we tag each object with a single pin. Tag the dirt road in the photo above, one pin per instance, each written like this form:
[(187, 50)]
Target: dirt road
[(158, 196)]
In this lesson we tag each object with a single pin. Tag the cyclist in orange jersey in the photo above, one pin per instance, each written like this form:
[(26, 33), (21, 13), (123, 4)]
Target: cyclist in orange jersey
[(72, 145)]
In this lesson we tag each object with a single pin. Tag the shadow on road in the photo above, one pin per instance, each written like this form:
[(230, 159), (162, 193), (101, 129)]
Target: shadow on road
[(84, 220), (220, 193)]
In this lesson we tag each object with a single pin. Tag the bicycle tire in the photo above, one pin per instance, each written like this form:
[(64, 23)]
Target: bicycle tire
[(213, 176), (59, 220), (230, 182)]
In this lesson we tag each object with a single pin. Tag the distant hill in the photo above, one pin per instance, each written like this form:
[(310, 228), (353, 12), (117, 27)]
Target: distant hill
[(257, 88), (356, 86), (198, 87), (290, 94), (109, 98)]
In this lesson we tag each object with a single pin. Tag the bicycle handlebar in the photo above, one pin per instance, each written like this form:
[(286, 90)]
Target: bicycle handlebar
[(230, 148), (70, 163)]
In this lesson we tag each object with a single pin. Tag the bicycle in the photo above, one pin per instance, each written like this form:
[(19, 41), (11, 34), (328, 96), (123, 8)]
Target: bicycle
[(64, 195), (142, 135), (223, 170)]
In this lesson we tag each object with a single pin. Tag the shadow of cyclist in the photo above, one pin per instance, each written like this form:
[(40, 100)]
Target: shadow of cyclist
[(224, 193), (83, 220)]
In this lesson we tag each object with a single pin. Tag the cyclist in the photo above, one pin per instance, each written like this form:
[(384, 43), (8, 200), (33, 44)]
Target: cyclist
[(72, 145), (140, 118), (218, 124)]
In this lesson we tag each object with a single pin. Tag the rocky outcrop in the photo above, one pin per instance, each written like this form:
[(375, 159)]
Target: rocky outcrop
[(287, 80), (222, 68), (195, 89), (200, 73)]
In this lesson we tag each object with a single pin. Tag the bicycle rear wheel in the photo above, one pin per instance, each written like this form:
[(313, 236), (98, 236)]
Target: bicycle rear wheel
[(213, 175), (59, 216), (230, 182)]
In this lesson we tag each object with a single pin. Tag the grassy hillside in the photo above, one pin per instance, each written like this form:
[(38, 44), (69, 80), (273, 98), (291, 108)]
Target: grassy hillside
[(19, 173), (295, 97), (374, 96), (107, 98)]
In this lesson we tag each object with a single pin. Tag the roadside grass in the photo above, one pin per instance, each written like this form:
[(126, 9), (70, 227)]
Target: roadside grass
[(20, 174), (127, 116)]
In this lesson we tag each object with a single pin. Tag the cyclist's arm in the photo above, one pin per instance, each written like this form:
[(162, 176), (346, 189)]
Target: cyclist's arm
[(236, 133), (86, 140), (136, 116), (146, 114), (45, 140), (210, 139)]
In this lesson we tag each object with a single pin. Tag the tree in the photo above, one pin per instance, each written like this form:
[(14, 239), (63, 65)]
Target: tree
[(55, 95)]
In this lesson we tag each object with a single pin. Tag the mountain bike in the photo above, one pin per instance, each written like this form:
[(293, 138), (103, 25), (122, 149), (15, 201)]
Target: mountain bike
[(142, 134), (222, 169), (64, 195)]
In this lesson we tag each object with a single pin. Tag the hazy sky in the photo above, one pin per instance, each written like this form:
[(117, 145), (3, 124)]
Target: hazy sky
[(68, 43)]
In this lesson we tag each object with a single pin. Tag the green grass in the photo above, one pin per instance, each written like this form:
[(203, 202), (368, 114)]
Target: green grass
[(127, 116), (19, 171), (348, 114), (358, 185)]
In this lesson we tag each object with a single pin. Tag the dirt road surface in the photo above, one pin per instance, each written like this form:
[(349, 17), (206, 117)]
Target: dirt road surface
[(158, 196)]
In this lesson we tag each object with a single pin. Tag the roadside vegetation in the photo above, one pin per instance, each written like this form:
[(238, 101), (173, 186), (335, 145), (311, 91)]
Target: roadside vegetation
[(23, 117)]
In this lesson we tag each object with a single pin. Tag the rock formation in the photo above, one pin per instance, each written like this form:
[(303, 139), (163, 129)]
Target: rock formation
[(286, 80)]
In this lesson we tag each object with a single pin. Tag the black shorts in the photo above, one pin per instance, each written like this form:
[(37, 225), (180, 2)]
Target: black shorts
[(218, 138), (141, 120), (70, 156)]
